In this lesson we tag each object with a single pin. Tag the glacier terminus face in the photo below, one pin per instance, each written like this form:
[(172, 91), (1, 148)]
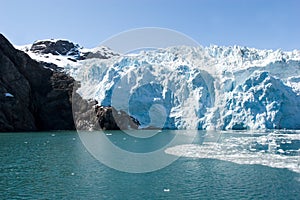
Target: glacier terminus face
[(207, 88), (184, 87)]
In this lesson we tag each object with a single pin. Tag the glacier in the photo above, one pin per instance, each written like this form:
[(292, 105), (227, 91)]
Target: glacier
[(205, 88)]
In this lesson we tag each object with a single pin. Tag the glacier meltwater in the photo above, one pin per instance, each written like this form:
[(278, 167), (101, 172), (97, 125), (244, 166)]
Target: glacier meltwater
[(205, 88)]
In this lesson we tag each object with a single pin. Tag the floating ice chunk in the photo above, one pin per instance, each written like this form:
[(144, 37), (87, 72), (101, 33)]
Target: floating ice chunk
[(231, 149), (272, 147), (8, 94), (280, 151)]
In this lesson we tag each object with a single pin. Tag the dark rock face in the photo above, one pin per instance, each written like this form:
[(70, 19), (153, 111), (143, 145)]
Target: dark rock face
[(31, 96), (90, 116), (67, 48), (55, 109), (51, 66), (56, 47), (111, 119), (101, 54)]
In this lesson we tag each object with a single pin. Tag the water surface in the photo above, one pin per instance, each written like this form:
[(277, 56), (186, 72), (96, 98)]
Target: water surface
[(55, 165)]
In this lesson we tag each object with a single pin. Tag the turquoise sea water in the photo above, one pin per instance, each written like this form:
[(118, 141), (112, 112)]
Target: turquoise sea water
[(56, 165)]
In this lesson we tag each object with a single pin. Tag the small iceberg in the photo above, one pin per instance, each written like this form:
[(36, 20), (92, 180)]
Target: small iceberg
[(272, 147), (281, 151), (8, 95)]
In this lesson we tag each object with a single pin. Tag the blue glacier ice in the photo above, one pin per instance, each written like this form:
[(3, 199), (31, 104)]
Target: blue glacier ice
[(209, 88)]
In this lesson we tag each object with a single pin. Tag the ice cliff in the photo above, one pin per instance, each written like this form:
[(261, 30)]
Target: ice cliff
[(198, 87)]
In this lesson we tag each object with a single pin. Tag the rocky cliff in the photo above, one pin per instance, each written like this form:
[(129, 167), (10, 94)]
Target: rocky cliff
[(36, 96), (90, 116), (32, 97)]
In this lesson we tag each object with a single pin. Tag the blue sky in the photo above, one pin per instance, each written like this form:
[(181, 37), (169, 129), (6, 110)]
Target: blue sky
[(264, 24)]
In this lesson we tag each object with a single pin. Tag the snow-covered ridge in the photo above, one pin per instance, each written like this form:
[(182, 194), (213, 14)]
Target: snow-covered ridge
[(62, 52), (198, 87)]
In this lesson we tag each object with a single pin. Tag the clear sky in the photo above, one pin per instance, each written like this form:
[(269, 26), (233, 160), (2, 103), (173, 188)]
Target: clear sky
[(264, 24)]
